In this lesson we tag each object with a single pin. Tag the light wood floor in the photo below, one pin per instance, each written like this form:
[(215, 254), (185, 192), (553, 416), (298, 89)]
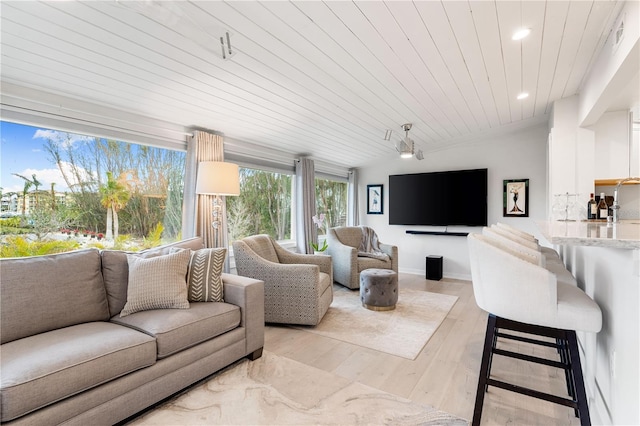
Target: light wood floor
[(445, 374)]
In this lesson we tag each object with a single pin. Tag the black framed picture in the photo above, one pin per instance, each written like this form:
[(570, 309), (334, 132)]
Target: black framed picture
[(374, 199), (515, 195)]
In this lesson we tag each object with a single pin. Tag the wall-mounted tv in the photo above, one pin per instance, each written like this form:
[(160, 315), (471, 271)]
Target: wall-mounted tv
[(439, 198)]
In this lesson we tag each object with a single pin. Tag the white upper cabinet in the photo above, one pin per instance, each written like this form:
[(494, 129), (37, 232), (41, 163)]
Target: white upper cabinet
[(615, 155)]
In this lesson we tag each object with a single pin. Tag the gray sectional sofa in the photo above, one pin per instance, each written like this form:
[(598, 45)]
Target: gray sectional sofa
[(68, 357)]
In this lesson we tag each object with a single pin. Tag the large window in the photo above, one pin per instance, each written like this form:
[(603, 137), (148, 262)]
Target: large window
[(52, 181), (265, 204), (263, 207), (331, 199)]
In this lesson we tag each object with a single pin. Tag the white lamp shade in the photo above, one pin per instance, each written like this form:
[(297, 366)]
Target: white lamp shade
[(218, 178)]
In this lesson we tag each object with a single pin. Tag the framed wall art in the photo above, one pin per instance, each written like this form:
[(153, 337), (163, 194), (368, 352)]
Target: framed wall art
[(374, 199), (515, 196)]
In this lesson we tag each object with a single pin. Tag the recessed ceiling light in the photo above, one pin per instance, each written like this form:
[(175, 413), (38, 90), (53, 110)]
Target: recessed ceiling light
[(523, 95), (521, 33)]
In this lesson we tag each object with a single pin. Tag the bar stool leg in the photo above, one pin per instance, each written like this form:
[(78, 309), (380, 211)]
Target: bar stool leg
[(576, 371), (563, 349), (489, 342)]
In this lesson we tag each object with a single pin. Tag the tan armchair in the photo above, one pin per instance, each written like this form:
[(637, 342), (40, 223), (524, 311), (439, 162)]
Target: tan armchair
[(343, 244), (298, 288)]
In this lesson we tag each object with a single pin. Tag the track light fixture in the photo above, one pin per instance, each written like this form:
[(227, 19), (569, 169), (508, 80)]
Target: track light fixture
[(405, 146)]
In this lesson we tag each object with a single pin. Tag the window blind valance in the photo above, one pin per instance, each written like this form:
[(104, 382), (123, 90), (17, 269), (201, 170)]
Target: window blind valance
[(41, 109)]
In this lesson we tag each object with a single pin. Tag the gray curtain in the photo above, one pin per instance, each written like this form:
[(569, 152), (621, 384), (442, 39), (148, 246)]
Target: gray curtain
[(305, 204), (199, 207), (210, 147), (353, 218)]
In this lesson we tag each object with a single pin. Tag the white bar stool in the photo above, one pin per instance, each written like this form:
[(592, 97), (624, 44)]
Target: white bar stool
[(524, 297), (527, 239), (551, 263)]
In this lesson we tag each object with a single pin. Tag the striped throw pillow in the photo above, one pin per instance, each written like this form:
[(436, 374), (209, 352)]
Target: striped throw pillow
[(204, 279)]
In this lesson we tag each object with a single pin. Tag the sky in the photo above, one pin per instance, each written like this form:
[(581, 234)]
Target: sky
[(22, 151)]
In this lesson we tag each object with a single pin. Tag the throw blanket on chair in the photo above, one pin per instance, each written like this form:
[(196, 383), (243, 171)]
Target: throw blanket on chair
[(370, 246)]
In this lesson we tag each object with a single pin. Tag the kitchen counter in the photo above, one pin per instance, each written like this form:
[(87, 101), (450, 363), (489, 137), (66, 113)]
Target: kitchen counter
[(605, 259), (624, 234)]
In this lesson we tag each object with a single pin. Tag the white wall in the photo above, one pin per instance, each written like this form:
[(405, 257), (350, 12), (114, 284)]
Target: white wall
[(520, 154)]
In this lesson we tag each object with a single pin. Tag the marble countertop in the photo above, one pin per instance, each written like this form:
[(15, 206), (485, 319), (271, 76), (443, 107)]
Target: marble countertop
[(624, 234)]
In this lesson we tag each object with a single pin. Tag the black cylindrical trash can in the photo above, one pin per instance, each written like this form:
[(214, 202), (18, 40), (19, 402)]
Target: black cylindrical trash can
[(434, 268)]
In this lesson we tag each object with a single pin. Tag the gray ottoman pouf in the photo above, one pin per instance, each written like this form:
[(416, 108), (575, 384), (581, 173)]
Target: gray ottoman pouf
[(379, 289)]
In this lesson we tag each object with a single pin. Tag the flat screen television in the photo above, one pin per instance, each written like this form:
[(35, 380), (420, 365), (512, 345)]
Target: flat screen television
[(439, 198)]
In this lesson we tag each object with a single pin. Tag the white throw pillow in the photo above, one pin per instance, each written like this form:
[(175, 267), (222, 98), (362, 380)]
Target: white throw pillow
[(157, 282)]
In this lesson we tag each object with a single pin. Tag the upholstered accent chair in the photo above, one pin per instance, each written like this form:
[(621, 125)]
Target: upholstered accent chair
[(344, 242), (298, 288)]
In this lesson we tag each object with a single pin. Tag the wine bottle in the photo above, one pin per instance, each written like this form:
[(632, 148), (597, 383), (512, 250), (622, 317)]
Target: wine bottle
[(603, 209), (592, 208)]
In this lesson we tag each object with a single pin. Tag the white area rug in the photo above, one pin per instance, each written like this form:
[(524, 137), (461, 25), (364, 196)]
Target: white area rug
[(403, 331), (274, 390)]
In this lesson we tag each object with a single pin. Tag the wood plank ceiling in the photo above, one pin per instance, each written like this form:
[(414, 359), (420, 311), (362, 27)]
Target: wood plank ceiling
[(324, 79)]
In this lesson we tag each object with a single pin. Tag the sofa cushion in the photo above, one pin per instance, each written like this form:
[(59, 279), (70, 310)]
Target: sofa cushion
[(176, 330), (204, 278), (44, 293), (45, 368), (115, 270), (157, 283)]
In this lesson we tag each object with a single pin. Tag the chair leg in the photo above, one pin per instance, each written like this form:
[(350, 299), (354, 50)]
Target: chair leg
[(563, 350), (578, 380), (494, 344), (485, 370), (567, 347)]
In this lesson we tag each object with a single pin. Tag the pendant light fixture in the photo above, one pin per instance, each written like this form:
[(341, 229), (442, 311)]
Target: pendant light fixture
[(405, 146)]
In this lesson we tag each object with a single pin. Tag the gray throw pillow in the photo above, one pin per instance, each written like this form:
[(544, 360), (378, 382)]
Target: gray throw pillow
[(157, 282), (205, 275)]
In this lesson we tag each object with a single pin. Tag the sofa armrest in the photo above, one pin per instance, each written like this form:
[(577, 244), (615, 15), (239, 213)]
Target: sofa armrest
[(298, 277), (392, 252), (322, 261), (345, 262), (248, 294)]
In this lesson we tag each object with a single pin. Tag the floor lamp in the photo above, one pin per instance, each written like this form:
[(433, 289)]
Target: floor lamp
[(217, 178)]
